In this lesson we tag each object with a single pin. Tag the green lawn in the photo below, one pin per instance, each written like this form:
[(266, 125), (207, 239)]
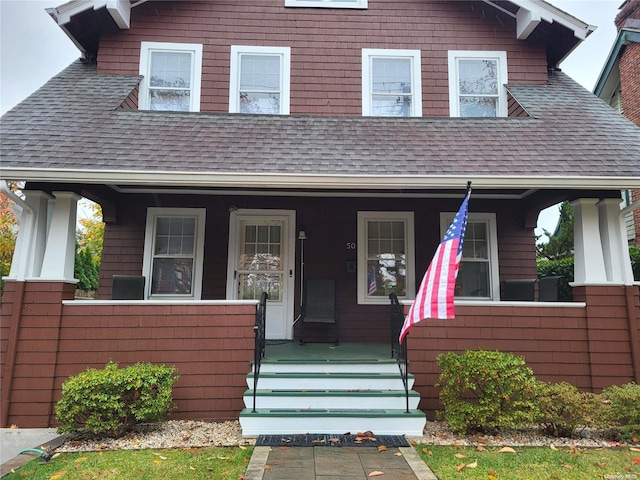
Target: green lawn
[(529, 463), (192, 463)]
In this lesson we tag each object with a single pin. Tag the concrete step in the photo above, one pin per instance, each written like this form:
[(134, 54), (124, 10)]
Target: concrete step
[(329, 381), (275, 421), (326, 399), (329, 366)]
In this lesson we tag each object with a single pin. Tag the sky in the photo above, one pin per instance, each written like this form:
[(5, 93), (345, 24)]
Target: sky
[(33, 49)]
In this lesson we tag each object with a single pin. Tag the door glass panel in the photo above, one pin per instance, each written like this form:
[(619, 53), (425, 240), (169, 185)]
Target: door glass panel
[(260, 267)]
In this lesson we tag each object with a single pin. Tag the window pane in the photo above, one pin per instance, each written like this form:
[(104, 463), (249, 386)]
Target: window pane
[(170, 69), (391, 75), (385, 276), (391, 106), (473, 279), (162, 226), (253, 284), (266, 103), (250, 233), (172, 276), (478, 76), (260, 73), (170, 100), (478, 106)]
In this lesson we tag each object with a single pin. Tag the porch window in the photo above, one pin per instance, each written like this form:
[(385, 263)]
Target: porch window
[(172, 74), (478, 274), (391, 83), (326, 3), (259, 82), (174, 252), (386, 255), (476, 84)]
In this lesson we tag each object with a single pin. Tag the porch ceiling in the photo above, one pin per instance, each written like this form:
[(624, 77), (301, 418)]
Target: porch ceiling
[(73, 130)]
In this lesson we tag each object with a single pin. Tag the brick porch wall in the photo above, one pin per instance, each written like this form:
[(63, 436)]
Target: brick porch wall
[(212, 345)]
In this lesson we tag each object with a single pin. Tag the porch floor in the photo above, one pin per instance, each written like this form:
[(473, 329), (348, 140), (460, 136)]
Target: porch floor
[(291, 351)]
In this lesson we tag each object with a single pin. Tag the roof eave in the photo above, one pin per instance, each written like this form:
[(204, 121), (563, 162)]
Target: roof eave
[(323, 181), (624, 35)]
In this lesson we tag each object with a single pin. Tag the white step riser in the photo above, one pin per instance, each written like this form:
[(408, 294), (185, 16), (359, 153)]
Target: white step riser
[(267, 383), (328, 402), (410, 426), (330, 368)]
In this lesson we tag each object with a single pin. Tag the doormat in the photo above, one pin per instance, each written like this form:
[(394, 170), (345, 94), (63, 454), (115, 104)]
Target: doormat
[(331, 440)]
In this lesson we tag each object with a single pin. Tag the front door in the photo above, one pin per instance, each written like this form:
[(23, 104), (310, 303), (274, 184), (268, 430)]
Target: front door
[(261, 259)]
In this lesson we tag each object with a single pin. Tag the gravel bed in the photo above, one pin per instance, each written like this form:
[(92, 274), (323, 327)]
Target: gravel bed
[(191, 434)]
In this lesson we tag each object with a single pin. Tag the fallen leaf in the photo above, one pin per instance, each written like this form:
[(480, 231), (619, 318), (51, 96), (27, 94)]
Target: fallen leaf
[(318, 441), (507, 450), (382, 448), (242, 447), (566, 465), (601, 464), (491, 477), (461, 467), (81, 459), (376, 473), (552, 447), (427, 451), (58, 475), (491, 472), (398, 454), (267, 466), (13, 425), (162, 457), (472, 465), (459, 455), (192, 468), (634, 449), (480, 448), (636, 461), (334, 440)]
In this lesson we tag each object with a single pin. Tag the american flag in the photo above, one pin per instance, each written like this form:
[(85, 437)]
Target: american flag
[(435, 295), (371, 280)]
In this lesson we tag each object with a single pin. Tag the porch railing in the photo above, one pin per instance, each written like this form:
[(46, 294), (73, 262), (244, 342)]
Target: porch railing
[(258, 353), (399, 350)]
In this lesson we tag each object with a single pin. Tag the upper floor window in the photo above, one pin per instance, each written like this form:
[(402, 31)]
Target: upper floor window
[(172, 74), (174, 252), (391, 83), (476, 84), (260, 80), (385, 256), (478, 274), (326, 3)]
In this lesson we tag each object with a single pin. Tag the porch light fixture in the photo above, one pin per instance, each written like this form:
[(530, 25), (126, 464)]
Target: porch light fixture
[(302, 235), (233, 209)]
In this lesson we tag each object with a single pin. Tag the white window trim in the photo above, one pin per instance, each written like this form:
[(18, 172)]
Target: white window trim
[(149, 235), (363, 217), (326, 3), (285, 74), (494, 275), (500, 56), (416, 77), (196, 70)]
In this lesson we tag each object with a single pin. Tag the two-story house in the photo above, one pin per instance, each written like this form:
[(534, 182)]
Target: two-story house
[(241, 147)]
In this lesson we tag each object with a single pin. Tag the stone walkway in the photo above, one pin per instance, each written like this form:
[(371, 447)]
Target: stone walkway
[(336, 463)]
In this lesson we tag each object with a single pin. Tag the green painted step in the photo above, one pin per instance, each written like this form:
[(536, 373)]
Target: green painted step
[(328, 375), (331, 393), (322, 412)]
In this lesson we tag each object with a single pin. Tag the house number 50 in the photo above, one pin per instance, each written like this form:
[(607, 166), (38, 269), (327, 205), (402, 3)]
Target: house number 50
[(351, 246)]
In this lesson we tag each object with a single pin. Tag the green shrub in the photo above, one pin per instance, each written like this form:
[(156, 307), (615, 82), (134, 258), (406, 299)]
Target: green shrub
[(112, 400), (634, 253), (624, 409), (564, 409), (562, 267), (486, 390)]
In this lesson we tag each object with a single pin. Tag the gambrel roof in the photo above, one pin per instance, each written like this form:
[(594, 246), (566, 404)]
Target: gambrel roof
[(74, 129)]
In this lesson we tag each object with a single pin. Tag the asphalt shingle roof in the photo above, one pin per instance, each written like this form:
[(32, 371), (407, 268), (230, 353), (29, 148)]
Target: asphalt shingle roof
[(74, 123)]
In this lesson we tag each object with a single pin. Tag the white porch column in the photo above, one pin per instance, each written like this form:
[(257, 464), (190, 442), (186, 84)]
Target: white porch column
[(589, 265), (59, 254), (617, 262), (32, 236)]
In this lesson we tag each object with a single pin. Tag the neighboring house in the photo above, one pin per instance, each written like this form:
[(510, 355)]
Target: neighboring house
[(619, 86), (249, 146)]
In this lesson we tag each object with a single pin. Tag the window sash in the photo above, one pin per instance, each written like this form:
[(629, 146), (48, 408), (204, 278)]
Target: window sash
[(259, 80), (391, 83), (172, 76), (385, 256), (476, 84)]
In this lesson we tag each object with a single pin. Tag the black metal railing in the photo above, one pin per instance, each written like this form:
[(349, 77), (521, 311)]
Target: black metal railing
[(258, 352), (399, 350)]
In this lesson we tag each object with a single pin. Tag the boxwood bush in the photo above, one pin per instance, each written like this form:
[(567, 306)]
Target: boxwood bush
[(486, 390), (112, 400), (624, 409)]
